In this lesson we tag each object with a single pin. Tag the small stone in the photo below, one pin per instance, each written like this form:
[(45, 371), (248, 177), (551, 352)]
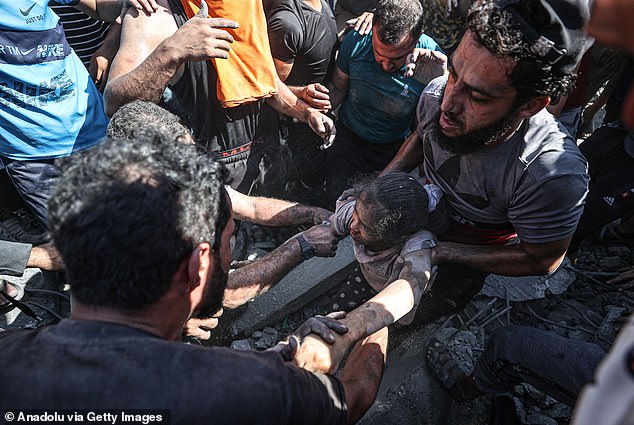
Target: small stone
[(241, 345), (261, 345), (559, 410), (256, 335), (342, 295), (610, 263), (356, 292), (352, 304), (540, 419), (357, 279), (269, 330), (269, 337), (335, 306)]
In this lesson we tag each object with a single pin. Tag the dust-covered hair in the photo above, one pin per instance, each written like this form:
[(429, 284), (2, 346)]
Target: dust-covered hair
[(400, 205), (396, 19), (140, 119), (126, 213), (496, 30)]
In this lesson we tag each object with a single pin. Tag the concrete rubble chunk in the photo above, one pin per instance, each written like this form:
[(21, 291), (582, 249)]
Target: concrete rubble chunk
[(299, 287), (525, 288), (540, 419), (241, 345)]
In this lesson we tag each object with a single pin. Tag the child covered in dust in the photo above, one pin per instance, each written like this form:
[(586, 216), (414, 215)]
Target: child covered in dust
[(388, 217)]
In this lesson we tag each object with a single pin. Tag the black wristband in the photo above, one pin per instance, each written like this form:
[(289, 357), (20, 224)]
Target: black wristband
[(307, 250)]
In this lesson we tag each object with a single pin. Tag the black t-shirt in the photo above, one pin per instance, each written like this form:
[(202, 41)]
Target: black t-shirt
[(302, 35), (99, 365)]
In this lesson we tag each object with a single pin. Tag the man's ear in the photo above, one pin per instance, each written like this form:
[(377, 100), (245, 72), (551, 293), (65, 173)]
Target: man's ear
[(199, 265), (533, 106)]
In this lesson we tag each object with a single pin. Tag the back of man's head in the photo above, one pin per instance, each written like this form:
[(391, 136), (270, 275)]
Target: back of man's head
[(142, 119), (546, 38), (396, 19), (126, 213)]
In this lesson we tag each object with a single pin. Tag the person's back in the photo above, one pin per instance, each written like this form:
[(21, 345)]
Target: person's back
[(97, 365)]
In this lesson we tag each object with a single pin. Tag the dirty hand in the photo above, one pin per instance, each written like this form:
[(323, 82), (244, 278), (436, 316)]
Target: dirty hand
[(320, 215), (322, 239), (323, 326), (201, 328), (425, 65), (419, 274), (148, 6), (361, 24), (347, 194), (201, 38), (316, 95), (322, 125)]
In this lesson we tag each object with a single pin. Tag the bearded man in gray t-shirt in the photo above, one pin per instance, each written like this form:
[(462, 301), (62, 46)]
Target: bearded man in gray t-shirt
[(514, 180)]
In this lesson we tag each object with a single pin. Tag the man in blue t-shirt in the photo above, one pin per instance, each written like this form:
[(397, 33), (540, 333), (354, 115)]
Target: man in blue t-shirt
[(377, 99), (49, 106)]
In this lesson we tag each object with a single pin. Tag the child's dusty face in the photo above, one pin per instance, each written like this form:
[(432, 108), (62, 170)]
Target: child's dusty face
[(362, 228)]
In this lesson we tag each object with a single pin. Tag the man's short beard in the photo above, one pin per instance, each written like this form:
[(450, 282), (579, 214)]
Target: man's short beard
[(214, 292), (476, 139)]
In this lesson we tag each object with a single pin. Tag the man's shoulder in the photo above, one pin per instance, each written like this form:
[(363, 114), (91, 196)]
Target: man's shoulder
[(354, 43), (435, 87), (284, 13), (548, 150), (429, 101)]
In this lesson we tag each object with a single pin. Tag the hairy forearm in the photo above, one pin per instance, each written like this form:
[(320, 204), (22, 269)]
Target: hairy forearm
[(46, 257), (270, 211), (145, 82), (258, 277), (409, 156), (287, 103), (275, 212), (511, 260), (283, 213)]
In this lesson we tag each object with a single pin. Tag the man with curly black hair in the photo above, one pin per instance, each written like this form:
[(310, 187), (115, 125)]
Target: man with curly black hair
[(515, 182)]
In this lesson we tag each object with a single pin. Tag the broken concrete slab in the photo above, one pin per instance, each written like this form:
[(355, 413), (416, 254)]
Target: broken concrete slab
[(409, 395), (525, 288), (299, 287)]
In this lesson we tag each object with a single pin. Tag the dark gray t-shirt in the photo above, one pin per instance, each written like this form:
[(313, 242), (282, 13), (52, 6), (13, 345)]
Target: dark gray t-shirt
[(536, 181), (302, 35), (97, 365)]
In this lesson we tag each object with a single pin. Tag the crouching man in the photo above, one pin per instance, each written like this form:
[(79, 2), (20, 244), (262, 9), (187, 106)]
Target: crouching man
[(144, 227)]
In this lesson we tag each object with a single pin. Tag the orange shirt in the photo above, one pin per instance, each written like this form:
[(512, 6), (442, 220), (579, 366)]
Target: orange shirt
[(249, 73)]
